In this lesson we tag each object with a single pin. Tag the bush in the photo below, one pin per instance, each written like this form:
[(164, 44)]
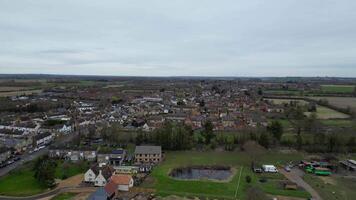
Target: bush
[(248, 179)]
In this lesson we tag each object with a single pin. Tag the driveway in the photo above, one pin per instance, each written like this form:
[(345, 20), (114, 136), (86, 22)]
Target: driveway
[(295, 175)]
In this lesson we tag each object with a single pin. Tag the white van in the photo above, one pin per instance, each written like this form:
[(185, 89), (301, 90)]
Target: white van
[(269, 168)]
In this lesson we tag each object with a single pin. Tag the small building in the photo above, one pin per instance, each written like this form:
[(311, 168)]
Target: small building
[(115, 157), (123, 181), (126, 170), (99, 175), (148, 154), (42, 139)]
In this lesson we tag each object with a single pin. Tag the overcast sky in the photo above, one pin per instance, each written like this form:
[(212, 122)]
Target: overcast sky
[(169, 38)]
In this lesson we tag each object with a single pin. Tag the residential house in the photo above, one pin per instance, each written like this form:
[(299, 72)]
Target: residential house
[(99, 174), (115, 157), (148, 154), (42, 139), (121, 182)]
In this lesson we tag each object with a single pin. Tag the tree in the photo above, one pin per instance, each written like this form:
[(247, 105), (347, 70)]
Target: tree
[(310, 123), (351, 144), (264, 140), (299, 142), (208, 132), (276, 129), (248, 179), (45, 171)]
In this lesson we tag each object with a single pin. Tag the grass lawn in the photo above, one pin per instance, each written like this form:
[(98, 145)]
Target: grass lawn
[(240, 161), (337, 88), (64, 196), (20, 183), (337, 122), (327, 113), (67, 169), (332, 188)]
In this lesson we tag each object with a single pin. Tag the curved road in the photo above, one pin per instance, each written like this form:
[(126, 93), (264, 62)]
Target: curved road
[(295, 175)]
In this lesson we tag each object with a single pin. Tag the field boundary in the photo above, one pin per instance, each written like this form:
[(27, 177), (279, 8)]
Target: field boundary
[(238, 182)]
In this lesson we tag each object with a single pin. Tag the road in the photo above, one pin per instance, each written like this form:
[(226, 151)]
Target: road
[(295, 175), (24, 158), (28, 157)]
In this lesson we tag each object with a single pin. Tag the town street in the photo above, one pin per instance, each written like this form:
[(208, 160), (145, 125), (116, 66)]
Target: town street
[(24, 158)]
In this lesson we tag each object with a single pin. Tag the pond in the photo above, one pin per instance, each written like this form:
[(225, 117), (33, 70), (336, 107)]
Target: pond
[(220, 173)]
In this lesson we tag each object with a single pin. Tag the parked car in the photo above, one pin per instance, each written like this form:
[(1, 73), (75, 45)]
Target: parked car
[(257, 169), (9, 162), (17, 159), (287, 168)]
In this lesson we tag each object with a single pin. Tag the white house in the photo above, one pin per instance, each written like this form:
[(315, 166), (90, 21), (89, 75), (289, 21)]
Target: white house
[(98, 175), (43, 139)]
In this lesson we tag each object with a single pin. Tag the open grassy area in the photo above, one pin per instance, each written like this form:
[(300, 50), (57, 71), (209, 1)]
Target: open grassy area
[(66, 169), (337, 88), (337, 122), (65, 196), (323, 112), (240, 161), (333, 188), (21, 181), (341, 102)]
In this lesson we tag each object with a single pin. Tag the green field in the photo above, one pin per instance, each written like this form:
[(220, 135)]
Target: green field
[(322, 112), (240, 161), (337, 88), (65, 196), (333, 188), (337, 122), (21, 181), (341, 102)]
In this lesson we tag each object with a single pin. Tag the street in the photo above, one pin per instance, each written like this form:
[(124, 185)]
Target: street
[(24, 158)]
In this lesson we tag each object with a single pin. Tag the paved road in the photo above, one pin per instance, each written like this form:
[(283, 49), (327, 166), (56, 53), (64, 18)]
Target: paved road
[(296, 176), (24, 158)]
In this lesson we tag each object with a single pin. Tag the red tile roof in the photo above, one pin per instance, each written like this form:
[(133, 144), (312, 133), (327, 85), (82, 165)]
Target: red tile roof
[(121, 179)]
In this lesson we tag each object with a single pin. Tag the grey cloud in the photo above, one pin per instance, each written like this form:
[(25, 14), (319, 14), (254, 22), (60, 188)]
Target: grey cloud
[(229, 37)]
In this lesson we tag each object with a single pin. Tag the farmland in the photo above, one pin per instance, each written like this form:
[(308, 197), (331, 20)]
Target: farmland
[(342, 102), (322, 112), (165, 185), (337, 88)]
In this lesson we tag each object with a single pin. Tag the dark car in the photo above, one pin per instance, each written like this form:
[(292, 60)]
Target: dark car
[(2, 165), (257, 169), (17, 159)]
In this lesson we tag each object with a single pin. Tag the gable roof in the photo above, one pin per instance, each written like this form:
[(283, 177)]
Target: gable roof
[(148, 150), (106, 171), (110, 188), (121, 179)]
